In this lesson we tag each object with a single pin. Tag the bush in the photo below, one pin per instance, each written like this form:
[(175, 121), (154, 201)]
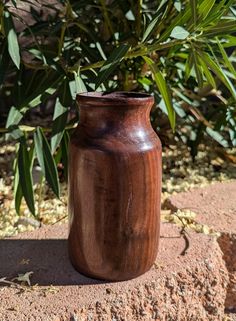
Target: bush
[(180, 51)]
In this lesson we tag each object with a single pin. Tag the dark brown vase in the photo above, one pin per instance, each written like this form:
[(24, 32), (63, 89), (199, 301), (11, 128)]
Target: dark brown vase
[(114, 186)]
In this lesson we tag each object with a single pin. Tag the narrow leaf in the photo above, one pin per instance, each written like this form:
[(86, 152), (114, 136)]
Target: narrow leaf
[(193, 4), (226, 59), (197, 68), (46, 160), (18, 195), (4, 63), (40, 93), (13, 46), (219, 73), (111, 63), (150, 28), (179, 33), (188, 66), (182, 18), (65, 93), (64, 152), (205, 8), (59, 123), (224, 27), (14, 117), (80, 86), (99, 47), (207, 73), (164, 90), (25, 175), (217, 137)]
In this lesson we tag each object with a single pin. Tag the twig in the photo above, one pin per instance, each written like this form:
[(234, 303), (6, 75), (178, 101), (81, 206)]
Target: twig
[(184, 233), (17, 285), (187, 243), (136, 52), (60, 219)]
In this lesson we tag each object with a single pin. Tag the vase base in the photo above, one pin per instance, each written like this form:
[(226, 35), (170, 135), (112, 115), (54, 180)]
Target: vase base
[(104, 278)]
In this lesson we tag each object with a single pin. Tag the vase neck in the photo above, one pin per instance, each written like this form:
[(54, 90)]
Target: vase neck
[(100, 118)]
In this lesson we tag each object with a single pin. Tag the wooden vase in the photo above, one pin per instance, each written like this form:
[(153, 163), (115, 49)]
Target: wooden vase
[(114, 186)]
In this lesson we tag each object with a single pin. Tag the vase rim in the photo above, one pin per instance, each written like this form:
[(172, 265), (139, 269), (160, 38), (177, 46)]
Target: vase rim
[(115, 97)]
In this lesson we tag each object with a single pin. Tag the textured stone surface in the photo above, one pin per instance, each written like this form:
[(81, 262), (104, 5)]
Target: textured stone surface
[(227, 243), (215, 206), (178, 287)]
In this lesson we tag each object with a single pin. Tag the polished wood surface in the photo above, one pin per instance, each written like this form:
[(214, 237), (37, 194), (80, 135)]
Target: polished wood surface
[(114, 187)]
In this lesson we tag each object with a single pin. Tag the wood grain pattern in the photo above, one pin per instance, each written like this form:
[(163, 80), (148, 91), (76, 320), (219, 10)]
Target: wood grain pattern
[(114, 187)]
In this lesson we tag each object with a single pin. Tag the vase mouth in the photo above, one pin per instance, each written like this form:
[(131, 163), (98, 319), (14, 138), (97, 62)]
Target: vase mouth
[(115, 98)]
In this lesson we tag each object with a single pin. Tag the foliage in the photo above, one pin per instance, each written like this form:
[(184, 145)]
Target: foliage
[(181, 51)]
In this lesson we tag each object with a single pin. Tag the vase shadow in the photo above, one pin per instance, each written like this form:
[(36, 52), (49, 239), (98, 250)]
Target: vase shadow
[(47, 259)]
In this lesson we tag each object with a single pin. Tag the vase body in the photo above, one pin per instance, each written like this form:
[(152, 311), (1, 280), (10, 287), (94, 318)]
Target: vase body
[(114, 187)]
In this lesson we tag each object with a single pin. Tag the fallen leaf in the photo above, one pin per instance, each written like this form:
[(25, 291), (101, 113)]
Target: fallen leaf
[(24, 277), (24, 262)]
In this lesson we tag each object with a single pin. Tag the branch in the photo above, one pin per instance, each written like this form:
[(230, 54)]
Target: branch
[(136, 52)]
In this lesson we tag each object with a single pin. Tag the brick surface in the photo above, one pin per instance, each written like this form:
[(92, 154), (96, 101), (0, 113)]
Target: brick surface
[(215, 206), (178, 287)]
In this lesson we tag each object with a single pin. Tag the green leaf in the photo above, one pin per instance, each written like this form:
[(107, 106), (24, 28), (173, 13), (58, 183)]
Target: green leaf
[(197, 68), (99, 47), (59, 123), (217, 137), (188, 66), (179, 33), (193, 4), (207, 72), (80, 86), (111, 63), (164, 90), (205, 8), (13, 46), (226, 59), (230, 41), (150, 28), (18, 194), (60, 114), (64, 152), (14, 117), (219, 73), (182, 96), (224, 27), (46, 161), (25, 175), (182, 18), (65, 93), (177, 5), (217, 11), (41, 92), (4, 63)]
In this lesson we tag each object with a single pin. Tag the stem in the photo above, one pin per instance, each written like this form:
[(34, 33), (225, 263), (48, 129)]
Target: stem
[(137, 52), (61, 41), (25, 129), (139, 17), (40, 194), (3, 280), (106, 17)]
